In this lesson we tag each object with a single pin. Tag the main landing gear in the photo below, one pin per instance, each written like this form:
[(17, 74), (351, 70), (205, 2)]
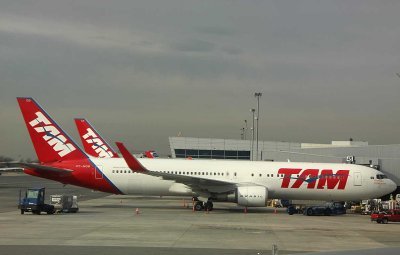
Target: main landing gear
[(199, 205)]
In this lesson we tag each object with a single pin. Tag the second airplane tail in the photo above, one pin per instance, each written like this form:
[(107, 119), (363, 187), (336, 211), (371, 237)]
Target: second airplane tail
[(93, 143)]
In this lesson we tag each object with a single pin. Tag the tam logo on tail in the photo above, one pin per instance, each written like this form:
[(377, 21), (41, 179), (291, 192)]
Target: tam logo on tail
[(100, 148), (51, 135)]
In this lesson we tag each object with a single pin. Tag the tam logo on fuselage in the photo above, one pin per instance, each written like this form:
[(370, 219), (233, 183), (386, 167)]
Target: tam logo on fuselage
[(314, 177), (98, 145), (52, 135)]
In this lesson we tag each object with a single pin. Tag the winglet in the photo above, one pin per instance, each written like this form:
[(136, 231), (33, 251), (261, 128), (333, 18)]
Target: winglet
[(130, 160)]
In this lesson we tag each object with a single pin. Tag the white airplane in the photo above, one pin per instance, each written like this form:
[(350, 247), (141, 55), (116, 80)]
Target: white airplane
[(251, 183), (246, 183)]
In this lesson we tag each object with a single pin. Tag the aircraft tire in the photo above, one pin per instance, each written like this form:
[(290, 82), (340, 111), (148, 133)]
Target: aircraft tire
[(208, 206), (198, 206)]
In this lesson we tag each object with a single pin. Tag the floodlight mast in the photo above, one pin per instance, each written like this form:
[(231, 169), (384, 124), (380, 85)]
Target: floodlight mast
[(252, 135), (257, 95)]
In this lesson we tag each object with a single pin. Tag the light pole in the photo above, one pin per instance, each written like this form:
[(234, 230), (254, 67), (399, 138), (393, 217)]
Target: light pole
[(252, 136), (245, 129), (258, 95)]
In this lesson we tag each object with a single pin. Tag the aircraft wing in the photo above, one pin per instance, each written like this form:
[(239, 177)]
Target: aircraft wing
[(39, 167), (196, 183)]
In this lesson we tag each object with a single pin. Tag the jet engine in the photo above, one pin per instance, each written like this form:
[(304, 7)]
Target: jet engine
[(252, 196)]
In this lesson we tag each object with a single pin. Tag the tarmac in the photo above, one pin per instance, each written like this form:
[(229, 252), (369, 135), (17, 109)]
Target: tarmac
[(116, 224)]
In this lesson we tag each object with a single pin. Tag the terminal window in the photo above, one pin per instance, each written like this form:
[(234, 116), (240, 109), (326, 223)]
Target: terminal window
[(212, 154)]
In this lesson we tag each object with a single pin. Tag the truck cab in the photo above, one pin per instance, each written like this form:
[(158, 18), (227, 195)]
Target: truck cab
[(33, 201)]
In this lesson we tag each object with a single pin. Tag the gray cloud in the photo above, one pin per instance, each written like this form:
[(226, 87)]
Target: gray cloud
[(144, 70), (195, 45)]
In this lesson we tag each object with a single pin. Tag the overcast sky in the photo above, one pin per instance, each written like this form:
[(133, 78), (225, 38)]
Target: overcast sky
[(142, 71)]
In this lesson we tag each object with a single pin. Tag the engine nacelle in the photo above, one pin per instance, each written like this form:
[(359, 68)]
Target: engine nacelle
[(252, 196)]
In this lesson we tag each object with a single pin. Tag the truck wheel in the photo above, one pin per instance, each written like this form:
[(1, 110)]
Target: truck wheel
[(379, 221), (309, 212), (22, 211), (384, 221)]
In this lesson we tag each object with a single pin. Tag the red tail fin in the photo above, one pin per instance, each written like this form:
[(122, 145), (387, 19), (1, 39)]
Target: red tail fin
[(50, 141), (130, 160), (93, 143), (151, 154)]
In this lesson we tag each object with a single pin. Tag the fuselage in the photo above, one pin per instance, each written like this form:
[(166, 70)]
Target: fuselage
[(284, 180)]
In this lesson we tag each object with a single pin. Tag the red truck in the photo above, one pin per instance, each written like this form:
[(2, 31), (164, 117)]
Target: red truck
[(385, 217)]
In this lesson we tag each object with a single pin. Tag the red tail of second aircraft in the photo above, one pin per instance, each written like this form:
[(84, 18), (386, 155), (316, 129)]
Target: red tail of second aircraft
[(93, 143)]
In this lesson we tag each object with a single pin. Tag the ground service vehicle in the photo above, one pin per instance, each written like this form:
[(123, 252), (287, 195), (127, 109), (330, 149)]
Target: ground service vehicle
[(385, 217), (330, 208), (34, 202)]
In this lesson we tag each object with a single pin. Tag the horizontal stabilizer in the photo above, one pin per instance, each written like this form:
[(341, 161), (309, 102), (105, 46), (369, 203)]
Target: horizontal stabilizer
[(46, 168)]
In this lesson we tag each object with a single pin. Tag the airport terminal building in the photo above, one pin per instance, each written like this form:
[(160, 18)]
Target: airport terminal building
[(384, 157)]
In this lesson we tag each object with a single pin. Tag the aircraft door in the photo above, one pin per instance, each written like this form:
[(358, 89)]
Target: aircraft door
[(357, 179), (232, 175), (98, 173)]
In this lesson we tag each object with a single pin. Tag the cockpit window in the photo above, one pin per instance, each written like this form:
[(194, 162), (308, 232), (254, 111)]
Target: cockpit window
[(381, 176)]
